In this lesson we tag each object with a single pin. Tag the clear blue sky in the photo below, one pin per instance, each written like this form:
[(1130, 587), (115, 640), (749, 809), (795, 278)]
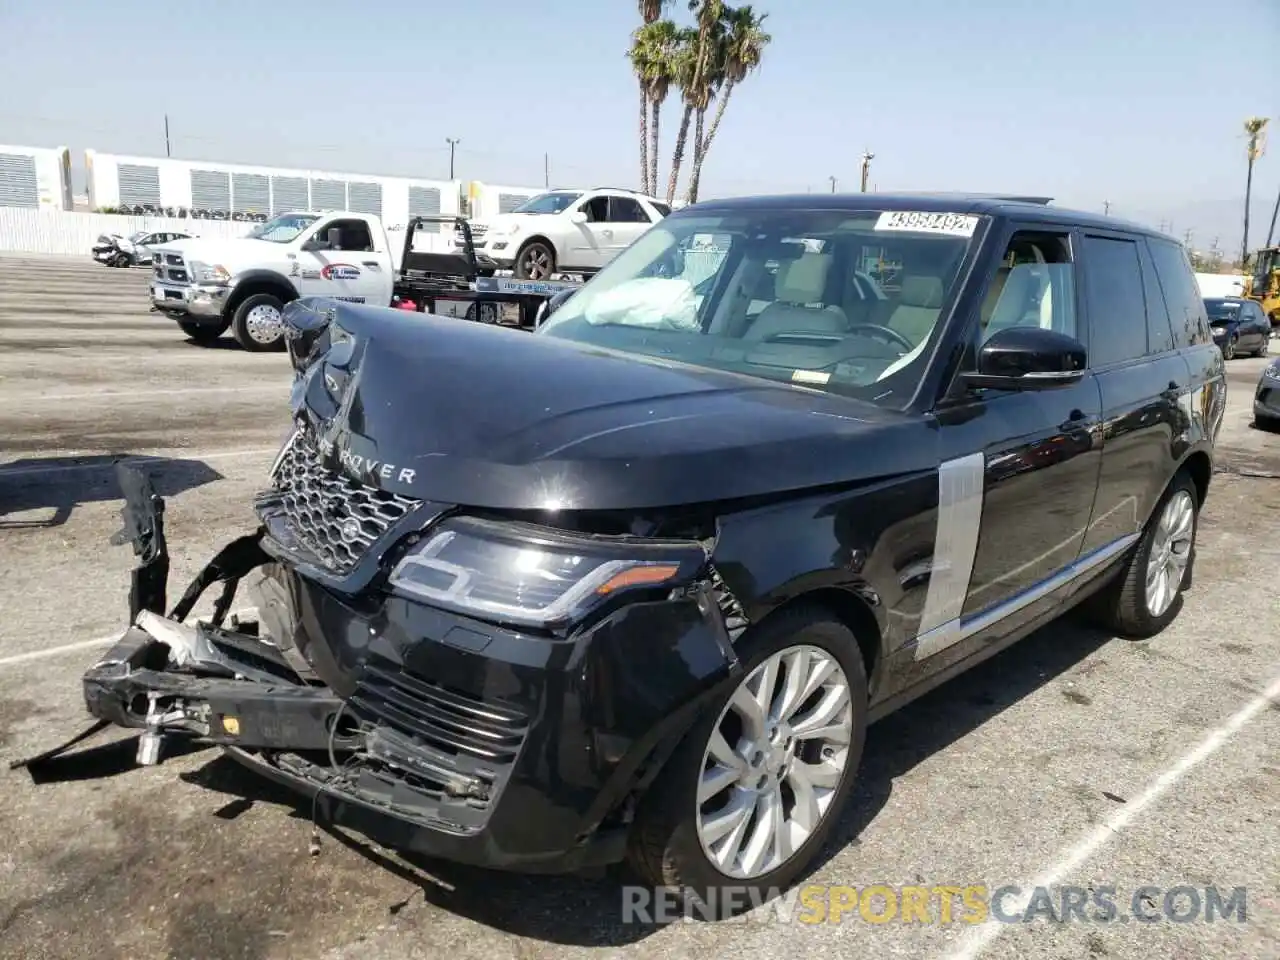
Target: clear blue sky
[(1139, 102)]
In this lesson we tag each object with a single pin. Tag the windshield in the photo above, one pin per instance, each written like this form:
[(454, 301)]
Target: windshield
[(548, 202), (1262, 268), (138, 236), (283, 228), (842, 301), (1219, 309)]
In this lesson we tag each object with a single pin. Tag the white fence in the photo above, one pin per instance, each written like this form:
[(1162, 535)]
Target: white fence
[(71, 234)]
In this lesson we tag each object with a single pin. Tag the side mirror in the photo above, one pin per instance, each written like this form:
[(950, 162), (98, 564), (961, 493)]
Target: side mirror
[(1029, 358), (578, 216)]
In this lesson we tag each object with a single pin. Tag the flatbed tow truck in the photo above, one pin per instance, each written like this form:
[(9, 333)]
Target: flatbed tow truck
[(464, 284)]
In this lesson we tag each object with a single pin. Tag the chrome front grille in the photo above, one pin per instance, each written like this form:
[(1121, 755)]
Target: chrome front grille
[(335, 520), (171, 268), (478, 230)]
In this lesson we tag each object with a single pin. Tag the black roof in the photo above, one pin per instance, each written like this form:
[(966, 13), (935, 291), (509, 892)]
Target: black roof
[(981, 204)]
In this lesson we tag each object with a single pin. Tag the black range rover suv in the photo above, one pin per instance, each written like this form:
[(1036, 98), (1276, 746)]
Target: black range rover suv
[(633, 586)]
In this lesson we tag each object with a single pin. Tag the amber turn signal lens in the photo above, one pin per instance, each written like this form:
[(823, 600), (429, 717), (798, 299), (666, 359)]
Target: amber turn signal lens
[(638, 577)]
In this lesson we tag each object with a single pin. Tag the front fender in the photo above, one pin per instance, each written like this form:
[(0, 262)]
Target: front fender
[(263, 276), (857, 541)]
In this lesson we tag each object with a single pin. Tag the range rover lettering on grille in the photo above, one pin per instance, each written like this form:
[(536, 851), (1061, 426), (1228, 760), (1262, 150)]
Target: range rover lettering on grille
[(375, 469), (332, 517)]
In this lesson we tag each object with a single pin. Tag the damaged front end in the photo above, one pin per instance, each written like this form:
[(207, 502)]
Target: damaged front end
[(421, 728)]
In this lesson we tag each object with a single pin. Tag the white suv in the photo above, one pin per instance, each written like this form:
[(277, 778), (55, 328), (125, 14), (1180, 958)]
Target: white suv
[(566, 231)]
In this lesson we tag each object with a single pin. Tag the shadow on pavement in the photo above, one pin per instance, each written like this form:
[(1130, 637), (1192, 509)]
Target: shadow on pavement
[(59, 484), (576, 910)]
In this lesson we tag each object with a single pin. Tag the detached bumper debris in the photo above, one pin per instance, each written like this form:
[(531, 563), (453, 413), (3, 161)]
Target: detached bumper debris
[(383, 715)]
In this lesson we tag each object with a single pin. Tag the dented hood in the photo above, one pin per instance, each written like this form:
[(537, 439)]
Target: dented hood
[(465, 413)]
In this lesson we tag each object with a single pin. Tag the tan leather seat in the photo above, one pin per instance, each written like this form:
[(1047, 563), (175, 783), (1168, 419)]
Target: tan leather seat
[(798, 285), (919, 303)]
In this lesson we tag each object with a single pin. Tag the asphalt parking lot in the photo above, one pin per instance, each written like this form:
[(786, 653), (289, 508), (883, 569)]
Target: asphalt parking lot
[(1072, 758)]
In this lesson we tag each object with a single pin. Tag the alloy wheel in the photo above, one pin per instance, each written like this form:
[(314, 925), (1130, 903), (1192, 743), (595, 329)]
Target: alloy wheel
[(774, 762), (263, 323), (537, 264), (1170, 552)]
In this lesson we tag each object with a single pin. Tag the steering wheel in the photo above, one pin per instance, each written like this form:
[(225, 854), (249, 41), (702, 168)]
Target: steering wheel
[(886, 333)]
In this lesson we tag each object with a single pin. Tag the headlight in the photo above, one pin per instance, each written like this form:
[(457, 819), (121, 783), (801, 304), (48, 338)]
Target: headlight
[(504, 230), (524, 574), (209, 272), (1273, 370)]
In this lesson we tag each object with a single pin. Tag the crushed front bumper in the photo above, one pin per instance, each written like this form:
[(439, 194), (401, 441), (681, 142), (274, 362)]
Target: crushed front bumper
[(422, 730)]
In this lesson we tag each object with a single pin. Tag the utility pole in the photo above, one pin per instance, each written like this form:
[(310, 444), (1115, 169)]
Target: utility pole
[(167, 151), (453, 145), (1186, 238), (1164, 228), (1106, 208), (833, 184), (867, 157), (546, 170), (1274, 211)]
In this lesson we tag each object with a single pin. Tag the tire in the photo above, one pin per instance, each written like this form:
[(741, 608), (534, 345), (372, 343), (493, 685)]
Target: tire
[(203, 333), (1263, 350), (535, 261), (252, 324), (1124, 607), (666, 848), (1229, 351)]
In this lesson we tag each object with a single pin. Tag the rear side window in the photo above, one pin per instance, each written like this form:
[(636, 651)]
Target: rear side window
[(1160, 337), (1117, 308), (1187, 314)]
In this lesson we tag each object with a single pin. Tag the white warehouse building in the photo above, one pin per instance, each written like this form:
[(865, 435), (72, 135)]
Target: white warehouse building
[(35, 177), (115, 182)]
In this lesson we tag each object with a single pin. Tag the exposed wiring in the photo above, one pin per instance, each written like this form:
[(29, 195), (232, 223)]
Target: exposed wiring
[(336, 772)]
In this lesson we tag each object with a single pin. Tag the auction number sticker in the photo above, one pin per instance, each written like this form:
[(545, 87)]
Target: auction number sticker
[(915, 221)]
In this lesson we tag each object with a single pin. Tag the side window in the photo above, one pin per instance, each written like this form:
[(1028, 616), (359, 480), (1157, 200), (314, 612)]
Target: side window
[(1160, 337), (354, 235), (1117, 308), (1034, 286), (597, 210), (663, 209), (1181, 293), (626, 210)]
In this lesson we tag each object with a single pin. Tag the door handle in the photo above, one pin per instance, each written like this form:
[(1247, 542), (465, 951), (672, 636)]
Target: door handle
[(369, 263)]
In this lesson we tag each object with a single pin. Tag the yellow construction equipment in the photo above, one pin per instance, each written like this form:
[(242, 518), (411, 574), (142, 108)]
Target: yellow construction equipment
[(1263, 282)]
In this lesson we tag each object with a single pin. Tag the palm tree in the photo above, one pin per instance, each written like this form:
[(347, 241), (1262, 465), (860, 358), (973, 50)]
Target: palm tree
[(683, 70), (650, 13), (697, 78), (740, 53), (1253, 131), (652, 56)]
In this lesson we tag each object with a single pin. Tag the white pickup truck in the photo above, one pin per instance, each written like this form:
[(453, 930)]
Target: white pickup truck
[(242, 284)]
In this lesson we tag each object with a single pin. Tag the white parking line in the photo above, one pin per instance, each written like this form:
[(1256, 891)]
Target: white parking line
[(143, 394), (977, 939), (34, 469), (59, 651), (49, 652)]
